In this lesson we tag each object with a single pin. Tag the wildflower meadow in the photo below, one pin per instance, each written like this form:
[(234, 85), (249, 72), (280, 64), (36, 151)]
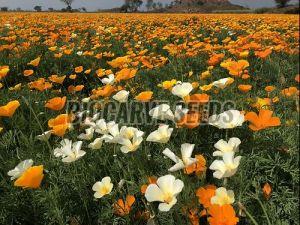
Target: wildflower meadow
[(154, 119)]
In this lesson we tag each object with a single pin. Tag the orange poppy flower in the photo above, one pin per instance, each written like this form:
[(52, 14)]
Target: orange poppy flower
[(297, 78), (76, 88), (198, 167), (125, 74), (31, 178), (215, 59), (104, 91), (222, 215), (263, 54), (267, 189), (73, 76), (40, 85), (68, 51), (144, 96), (78, 69), (28, 73), (57, 79), (168, 84), (56, 103), (9, 109), (206, 87), (289, 92), (58, 55), (245, 76), (190, 120), (60, 124), (245, 87), (263, 120), (195, 85), (270, 88), (205, 75), (151, 180), (237, 68), (100, 72), (197, 98), (88, 71), (3, 71), (35, 62), (204, 195), (120, 62), (122, 208)]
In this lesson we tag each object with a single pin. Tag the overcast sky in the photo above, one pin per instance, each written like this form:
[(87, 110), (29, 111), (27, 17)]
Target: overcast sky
[(93, 5)]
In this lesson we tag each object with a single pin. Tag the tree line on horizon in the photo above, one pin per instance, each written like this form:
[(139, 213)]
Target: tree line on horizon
[(133, 5)]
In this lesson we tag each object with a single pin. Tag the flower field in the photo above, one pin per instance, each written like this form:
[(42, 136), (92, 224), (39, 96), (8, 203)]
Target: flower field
[(150, 119)]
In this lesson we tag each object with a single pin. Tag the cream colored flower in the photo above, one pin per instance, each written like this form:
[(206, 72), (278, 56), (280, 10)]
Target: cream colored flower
[(165, 191), (223, 146), (96, 144), (227, 120), (162, 112), (161, 135), (226, 167), (185, 160), (222, 83), (182, 89), (103, 187), (88, 135), (121, 96), (20, 169), (68, 151), (44, 136), (223, 197)]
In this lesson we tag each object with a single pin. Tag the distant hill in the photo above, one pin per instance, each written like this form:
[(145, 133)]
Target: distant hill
[(203, 6)]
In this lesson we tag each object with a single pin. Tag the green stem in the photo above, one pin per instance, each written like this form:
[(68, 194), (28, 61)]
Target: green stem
[(264, 210), (247, 213)]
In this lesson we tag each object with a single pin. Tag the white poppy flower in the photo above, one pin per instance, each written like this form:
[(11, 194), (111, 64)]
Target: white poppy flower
[(128, 132), (226, 167), (185, 160), (222, 83), (20, 169), (91, 121), (121, 96), (162, 112), (132, 144), (108, 80), (226, 120), (79, 53), (69, 151), (96, 144), (88, 135), (223, 197), (182, 90), (161, 135), (103, 187), (102, 127), (86, 100), (44, 136), (165, 191), (223, 146), (113, 133)]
